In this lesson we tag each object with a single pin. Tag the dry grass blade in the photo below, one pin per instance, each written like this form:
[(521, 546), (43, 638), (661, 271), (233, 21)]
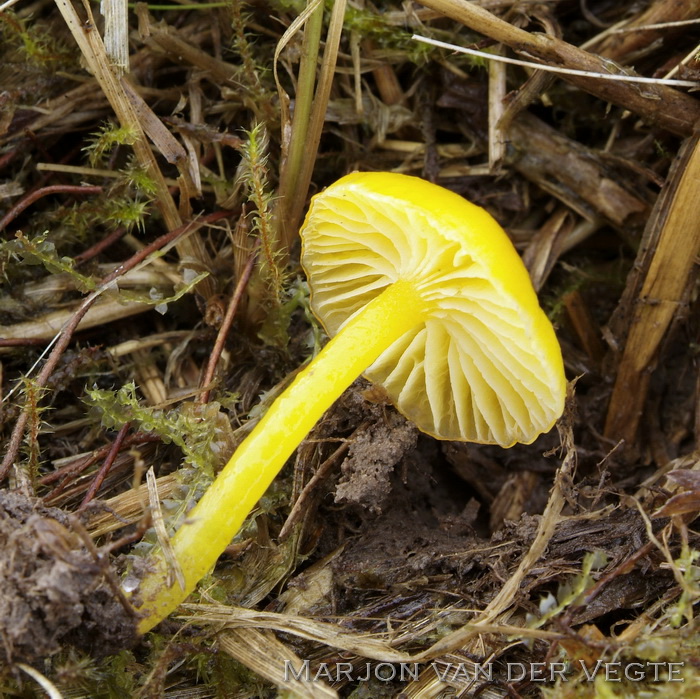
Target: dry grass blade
[(46, 684), (93, 49), (46, 327), (658, 285), (127, 508), (637, 35), (452, 674), (116, 33), (244, 641), (498, 607), (154, 499), (660, 105), (616, 77), (293, 147), (62, 338), (366, 646), (268, 657), (498, 87), (106, 311)]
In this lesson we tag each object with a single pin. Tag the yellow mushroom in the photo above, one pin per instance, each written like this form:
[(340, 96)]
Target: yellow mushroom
[(422, 292)]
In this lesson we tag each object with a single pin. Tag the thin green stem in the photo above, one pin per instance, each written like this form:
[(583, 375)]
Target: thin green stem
[(317, 120), (298, 146)]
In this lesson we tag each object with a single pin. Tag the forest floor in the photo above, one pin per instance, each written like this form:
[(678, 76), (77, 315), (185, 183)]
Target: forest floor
[(152, 305)]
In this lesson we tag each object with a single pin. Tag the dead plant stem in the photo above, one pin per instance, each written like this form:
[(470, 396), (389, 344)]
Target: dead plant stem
[(656, 289), (114, 88), (100, 246), (322, 471), (226, 326), (551, 517), (30, 198), (106, 466), (659, 104)]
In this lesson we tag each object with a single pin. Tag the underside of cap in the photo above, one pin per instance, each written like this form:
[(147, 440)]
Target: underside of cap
[(484, 364)]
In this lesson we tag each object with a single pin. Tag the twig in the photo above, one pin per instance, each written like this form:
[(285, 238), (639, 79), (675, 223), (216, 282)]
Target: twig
[(21, 341), (622, 77), (101, 245), (658, 25), (140, 529), (102, 564), (106, 466), (30, 198), (226, 326), (508, 593), (321, 473), (10, 155), (659, 104), (75, 466), (67, 473)]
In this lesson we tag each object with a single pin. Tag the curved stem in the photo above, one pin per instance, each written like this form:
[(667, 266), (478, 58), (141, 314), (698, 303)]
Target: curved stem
[(217, 517)]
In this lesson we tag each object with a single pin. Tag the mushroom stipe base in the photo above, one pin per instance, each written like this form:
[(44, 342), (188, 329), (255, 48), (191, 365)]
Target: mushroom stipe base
[(217, 517)]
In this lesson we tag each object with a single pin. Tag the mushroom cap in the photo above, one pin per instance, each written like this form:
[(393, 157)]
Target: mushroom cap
[(483, 364)]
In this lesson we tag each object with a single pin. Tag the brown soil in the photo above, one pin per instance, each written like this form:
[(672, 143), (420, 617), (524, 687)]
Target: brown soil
[(56, 593)]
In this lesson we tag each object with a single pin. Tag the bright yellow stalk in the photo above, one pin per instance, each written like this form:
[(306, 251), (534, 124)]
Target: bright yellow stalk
[(214, 521)]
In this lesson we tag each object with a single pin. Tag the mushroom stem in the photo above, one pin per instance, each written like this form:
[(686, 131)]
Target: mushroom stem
[(217, 517)]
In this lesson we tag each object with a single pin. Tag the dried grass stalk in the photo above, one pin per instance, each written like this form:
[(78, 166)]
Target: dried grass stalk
[(657, 104), (656, 289)]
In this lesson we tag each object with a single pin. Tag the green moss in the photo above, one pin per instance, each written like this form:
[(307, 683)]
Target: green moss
[(194, 435), (40, 250), (108, 137), (570, 592), (372, 25), (35, 43), (259, 94), (126, 211), (255, 179)]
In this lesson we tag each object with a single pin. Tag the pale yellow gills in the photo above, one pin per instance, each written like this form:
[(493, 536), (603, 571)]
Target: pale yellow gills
[(482, 363)]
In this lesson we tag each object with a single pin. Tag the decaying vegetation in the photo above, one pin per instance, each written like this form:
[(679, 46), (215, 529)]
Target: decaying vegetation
[(152, 306)]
